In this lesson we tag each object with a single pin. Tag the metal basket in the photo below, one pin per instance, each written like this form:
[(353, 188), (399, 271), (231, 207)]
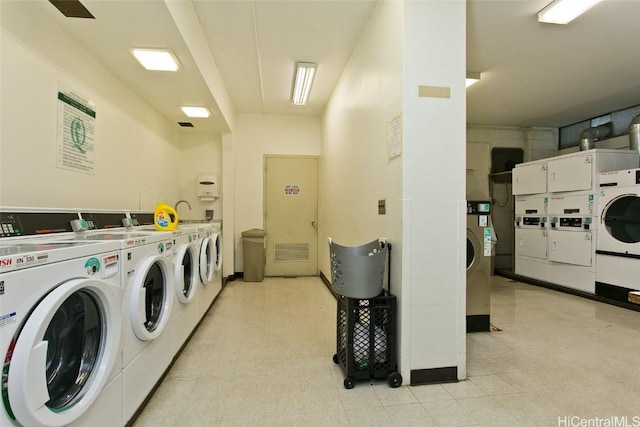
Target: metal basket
[(358, 271)]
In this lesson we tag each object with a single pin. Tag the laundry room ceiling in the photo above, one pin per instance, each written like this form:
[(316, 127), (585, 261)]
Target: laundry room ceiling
[(533, 74)]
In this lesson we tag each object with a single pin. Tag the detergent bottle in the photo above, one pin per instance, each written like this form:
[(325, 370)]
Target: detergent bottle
[(165, 217)]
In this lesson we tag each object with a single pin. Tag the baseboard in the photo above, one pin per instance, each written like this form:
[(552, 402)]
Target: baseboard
[(434, 375), (327, 283), (478, 323), (599, 298)]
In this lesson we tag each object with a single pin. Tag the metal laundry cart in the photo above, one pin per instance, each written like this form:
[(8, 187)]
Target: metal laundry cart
[(366, 315)]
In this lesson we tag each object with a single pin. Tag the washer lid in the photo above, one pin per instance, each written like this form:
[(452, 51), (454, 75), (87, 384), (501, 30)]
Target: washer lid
[(65, 352)]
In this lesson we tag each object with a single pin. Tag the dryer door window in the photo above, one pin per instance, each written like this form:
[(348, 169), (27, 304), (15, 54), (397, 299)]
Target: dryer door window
[(622, 218), (207, 260), (63, 354), (154, 286), (218, 256), (474, 252), (186, 273), (73, 338), (151, 297)]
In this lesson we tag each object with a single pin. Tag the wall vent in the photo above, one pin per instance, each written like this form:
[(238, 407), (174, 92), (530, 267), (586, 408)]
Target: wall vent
[(286, 252), (186, 124)]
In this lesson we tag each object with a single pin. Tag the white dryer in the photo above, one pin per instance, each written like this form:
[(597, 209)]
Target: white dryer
[(618, 245), (61, 319)]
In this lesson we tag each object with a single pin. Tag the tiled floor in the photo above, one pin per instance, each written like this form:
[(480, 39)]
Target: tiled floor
[(263, 356)]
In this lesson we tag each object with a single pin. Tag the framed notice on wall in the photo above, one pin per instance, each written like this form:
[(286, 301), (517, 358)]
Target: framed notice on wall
[(394, 136), (76, 124)]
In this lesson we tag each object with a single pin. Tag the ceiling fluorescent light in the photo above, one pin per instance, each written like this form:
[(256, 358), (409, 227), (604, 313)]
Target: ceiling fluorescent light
[(196, 111), (156, 59), (564, 11), (472, 77), (305, 71)]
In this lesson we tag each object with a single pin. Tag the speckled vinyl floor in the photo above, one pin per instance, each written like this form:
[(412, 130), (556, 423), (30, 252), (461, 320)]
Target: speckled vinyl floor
[(263, 357)]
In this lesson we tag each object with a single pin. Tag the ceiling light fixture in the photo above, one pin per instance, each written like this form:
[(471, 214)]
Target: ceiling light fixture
[(156, 59), (196, 111), (564, 11), (305, 72), (472, 77)]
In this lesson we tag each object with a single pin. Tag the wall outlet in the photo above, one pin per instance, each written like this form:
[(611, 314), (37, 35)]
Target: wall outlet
[(382, 207)]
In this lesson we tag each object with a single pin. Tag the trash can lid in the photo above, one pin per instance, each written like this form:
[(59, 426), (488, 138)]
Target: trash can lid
[(254, 232)]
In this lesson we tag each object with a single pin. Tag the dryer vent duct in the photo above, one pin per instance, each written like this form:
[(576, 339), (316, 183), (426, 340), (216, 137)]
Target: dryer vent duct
[(634, 134), (588, 137)]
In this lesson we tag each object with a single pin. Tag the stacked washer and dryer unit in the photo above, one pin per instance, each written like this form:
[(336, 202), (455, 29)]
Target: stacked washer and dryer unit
[(618, 247), (61, 320), (556, 215)]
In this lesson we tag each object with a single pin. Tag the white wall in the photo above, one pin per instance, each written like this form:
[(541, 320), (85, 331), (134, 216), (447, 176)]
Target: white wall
[(200, 153), (135, 148), (254, 136), (434, 221), (537, 143), (355, 170)]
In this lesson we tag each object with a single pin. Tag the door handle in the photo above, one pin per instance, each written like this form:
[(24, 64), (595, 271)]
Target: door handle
[(314, 224)]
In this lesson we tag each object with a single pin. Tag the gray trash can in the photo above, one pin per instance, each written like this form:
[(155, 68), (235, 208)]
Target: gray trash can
[(253, 244)]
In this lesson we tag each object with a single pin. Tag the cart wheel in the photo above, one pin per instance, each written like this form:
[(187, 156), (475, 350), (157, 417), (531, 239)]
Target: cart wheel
[(394, 379), (349, 383), (336, 360)]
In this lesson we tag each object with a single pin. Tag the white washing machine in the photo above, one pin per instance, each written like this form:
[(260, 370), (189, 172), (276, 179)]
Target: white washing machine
[(147, 280), (478, 266), (61, 320), (210, 265), (187, 280), (205, 239), (618, 245)]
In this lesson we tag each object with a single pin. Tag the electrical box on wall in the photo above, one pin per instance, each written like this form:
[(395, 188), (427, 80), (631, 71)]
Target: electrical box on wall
[(207, 186)]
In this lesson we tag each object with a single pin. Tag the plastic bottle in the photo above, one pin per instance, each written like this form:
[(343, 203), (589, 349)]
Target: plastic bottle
[(165, 217)]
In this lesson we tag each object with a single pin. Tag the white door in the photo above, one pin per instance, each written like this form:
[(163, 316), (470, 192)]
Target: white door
[(291, 215)]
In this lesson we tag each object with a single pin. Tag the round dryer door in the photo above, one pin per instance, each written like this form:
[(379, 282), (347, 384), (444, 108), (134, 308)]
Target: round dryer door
[(621, 217), (217, 238), (151, 297), (186, 273), (64, 353), (208, 255), (474, 252)]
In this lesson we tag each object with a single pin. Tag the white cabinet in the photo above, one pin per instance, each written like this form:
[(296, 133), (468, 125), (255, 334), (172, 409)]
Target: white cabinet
[(573, 173), (571, 247), (531, 243), (530, 178)]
